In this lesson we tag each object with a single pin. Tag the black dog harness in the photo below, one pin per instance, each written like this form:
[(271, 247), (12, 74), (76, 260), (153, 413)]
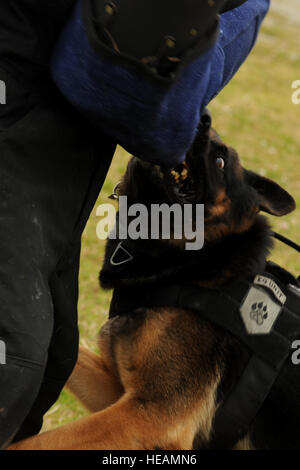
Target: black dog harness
[(262, 312)]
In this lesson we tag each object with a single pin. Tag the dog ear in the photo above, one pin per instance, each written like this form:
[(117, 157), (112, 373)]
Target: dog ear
[(272, 197)]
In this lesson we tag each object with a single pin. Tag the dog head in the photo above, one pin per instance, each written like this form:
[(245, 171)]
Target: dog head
[(211, 175), (237, 239)]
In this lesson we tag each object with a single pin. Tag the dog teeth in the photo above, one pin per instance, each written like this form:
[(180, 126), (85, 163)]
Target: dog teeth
[(180, 176), (184, 174), (175, 175), (180, 173)]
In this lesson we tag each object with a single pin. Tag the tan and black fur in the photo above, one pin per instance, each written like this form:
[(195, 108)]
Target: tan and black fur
[(162, 373)]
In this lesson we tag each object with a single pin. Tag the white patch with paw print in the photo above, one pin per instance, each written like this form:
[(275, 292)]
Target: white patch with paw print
[(259, 311)]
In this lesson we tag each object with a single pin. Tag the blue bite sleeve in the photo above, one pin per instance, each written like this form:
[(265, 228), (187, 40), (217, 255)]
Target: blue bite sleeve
[(152, 117)]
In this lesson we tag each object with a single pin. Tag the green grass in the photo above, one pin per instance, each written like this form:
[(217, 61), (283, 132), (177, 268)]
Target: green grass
[(255, 115)]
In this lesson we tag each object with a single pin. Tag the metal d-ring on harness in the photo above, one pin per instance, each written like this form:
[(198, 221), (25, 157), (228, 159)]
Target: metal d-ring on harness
[(263, 313)]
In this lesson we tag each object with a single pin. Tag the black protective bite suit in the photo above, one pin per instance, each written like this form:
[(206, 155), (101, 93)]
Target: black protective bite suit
[(52, 167)]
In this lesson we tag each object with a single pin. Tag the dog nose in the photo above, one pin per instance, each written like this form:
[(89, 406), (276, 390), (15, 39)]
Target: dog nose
[(206, 118)]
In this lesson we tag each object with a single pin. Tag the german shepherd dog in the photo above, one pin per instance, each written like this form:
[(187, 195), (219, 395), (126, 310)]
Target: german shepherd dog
[(162, 373)]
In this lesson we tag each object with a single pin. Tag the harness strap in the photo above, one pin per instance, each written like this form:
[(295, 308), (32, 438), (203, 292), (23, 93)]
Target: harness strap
[(286, 241), (234, 418), (222, 308)]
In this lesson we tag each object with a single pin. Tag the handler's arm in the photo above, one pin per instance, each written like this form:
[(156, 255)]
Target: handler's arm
[(151, 106)]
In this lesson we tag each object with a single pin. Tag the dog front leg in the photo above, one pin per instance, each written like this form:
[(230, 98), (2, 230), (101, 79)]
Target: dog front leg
[(93, 383), (126, 425)]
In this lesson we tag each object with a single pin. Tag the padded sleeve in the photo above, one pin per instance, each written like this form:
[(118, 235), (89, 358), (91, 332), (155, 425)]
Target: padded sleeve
[(152, 117)]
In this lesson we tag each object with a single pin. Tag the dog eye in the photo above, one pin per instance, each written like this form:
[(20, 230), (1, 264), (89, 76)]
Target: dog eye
[(220, 163), (114, 194)]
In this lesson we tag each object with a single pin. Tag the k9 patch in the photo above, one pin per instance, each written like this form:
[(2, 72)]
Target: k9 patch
[(260, 308)]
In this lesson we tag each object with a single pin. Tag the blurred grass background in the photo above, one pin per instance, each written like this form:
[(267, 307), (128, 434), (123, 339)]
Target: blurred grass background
[(255, 115)]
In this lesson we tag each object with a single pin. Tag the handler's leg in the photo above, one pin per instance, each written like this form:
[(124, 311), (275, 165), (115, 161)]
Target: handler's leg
[(50, 161)]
